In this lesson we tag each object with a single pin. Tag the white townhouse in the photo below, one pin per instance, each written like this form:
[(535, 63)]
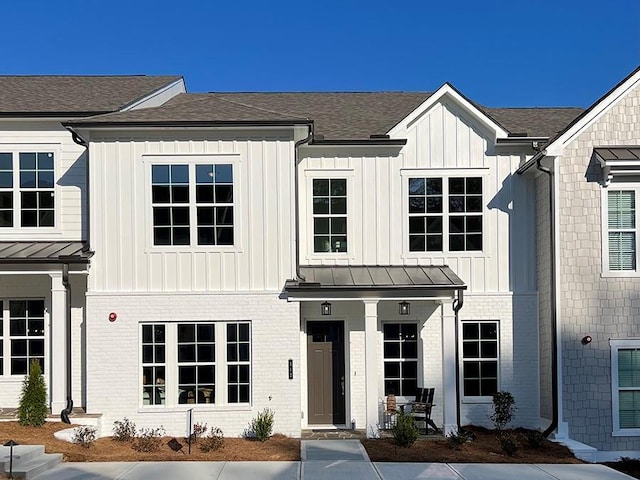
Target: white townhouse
[(312, 253)]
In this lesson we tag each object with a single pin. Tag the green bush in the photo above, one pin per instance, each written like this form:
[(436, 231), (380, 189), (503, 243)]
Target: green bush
[(404, 431), (213, 441), (509, 444), (457, 439), (124, 431), (33, 409), (535, 439), (84, 435), (261, 427), (504, 410)]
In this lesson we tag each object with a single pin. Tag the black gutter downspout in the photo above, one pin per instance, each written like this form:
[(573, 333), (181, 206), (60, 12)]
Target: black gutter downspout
[(552, 297), (457, 305), (296, 161), (64, 414)]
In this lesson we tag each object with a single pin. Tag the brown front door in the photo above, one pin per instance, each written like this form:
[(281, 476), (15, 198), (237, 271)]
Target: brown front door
[(325, 373)]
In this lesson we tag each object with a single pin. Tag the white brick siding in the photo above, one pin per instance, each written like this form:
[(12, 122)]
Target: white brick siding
[(113, 364)]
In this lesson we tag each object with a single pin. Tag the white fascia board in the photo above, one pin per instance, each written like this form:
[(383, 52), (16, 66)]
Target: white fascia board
[(158, 97), (597, 110), (447, 90)]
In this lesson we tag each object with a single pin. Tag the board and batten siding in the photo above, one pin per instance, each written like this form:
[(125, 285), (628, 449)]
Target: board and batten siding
[(441, 143), (70, 177), (121, 215)]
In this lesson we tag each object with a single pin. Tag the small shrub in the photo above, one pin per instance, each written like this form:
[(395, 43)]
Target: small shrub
[(535, 439), (509, 444), (261, 427), (213, 441), (124, 431), (199, 430), (504, 409), (85, 435), (457, 439), (148, 439), (33, 409), (404, 431)]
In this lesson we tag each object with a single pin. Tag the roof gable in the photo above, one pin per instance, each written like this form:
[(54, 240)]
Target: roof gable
[(593, 113), (445, 92), (71, 95)]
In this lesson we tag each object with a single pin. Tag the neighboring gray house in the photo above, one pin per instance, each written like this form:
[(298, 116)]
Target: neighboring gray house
[(589, 275)]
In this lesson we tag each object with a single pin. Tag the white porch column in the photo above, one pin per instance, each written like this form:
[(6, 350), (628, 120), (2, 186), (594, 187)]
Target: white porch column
[(449, 366), (57, 345), (371, 365)]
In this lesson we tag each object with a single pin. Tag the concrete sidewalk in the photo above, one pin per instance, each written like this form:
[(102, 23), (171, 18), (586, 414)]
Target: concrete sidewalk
[(327, 459)]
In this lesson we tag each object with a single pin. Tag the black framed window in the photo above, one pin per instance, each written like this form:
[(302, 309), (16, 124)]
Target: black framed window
[(154, 364), (445, 208), (480, 358), (238, 362), (400, 358), (214, 201), (170, 200), (196, 363), (26, 334), (6, 190), (329, 215)]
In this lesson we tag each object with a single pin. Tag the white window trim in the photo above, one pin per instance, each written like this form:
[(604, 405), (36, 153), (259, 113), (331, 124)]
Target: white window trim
[(445, 174), (171, 369), (306, 212), (192, 160), (615, 346), (604, 223), (481, 398), (34, 232)]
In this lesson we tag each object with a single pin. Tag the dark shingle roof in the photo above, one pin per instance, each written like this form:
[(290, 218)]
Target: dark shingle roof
[(69, 94), (336, 115)]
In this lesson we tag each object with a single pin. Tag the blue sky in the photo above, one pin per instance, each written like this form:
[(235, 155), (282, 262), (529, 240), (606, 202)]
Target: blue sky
[(498, 53)]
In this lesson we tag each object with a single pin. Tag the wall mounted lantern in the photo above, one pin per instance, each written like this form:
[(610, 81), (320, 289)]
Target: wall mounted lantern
[(405, 308), (325, 308)]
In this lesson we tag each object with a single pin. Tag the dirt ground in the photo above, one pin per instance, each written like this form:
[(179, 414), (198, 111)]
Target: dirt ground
[(484, 448), (277, 447)]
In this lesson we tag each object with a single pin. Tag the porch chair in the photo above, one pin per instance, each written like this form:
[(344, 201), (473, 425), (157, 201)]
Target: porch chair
[(421, 409)]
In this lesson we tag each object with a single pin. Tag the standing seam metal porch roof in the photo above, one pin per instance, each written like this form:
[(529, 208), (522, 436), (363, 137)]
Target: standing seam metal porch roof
[(433, 277), (44, 252)]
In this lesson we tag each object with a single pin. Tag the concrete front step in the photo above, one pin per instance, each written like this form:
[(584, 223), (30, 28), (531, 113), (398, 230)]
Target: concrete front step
[(28, 460), (32, 468)]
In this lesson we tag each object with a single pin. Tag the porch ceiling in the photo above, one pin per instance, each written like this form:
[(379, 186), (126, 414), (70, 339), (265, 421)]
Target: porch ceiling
[(375, 281), (44, 252)]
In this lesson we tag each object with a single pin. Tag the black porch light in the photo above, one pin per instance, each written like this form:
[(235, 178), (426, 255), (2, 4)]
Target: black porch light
[(405, 308), (325, 308)]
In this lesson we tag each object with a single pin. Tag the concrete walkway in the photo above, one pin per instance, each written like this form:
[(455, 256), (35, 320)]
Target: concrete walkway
[(327, 459)]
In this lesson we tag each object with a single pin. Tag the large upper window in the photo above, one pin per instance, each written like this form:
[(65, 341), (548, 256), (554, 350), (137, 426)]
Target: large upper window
[(21, 335), (192, 204), (625, 386), (445, 214), (330, 215), (27, 188), (480, 358), (622, 230), (212, 363), (400, 358)]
